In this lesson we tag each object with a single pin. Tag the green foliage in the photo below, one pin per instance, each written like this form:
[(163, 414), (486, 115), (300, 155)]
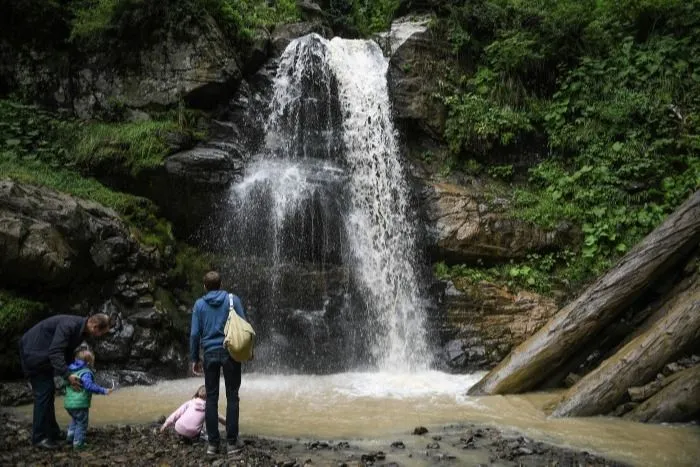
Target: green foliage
[(476, 126), (139, 213), (134, 146), (542, 273), (123, 26), (37, 147), (372, 16), (504, 172), (29, 133), (15, 311), (96, 19), (606, 92)]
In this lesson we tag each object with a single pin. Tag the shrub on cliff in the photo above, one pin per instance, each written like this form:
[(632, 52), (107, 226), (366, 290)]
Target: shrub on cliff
[(606, 93)]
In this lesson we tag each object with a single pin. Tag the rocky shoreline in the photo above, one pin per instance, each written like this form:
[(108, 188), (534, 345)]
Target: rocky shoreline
[(143, 445)]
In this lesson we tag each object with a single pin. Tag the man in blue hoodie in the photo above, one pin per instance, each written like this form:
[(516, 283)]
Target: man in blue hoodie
[(209, 317)]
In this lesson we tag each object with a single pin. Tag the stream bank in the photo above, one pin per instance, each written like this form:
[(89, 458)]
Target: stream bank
[(141, 444)]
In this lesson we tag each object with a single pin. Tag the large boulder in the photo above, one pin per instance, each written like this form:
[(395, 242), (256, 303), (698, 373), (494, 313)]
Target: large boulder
[(50, 239), (283, 34), (464, 225), (482, 322), (419, 59)]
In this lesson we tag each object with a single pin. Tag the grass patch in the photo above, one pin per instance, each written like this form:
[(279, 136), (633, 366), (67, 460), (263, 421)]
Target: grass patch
[(134, 146), (15, 311), (140, 213)]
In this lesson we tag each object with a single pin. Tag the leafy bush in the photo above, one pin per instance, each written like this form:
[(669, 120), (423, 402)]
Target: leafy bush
[(606, 92), (15, 311)]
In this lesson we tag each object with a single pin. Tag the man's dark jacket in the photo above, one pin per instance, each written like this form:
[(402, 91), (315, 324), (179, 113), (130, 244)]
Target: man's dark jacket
[(49, 346)]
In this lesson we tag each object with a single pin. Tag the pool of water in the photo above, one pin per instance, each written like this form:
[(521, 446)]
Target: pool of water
[(378, 406)]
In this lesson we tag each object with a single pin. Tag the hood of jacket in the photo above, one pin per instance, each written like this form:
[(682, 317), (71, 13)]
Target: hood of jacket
[(77, 365), (199, 404), (215, 298)]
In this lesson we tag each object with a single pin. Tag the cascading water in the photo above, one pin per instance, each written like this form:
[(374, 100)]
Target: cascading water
[(380, 231), (321, 226)]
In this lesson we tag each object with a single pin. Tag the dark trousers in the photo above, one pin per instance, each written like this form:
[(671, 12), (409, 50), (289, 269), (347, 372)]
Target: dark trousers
[(215, 361), (44, 419)]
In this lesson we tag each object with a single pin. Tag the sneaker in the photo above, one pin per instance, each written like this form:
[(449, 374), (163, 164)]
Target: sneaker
[(212, 449), (46, 443)]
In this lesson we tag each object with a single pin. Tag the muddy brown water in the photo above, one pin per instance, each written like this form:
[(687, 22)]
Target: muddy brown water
[(377, 408)]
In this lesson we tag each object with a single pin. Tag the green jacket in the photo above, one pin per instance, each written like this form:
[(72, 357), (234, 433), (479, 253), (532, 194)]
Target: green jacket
[(81, 398)]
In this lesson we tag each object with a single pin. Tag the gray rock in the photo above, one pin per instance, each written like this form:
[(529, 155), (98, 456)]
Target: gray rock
[(115, 347), (52, 239), (460, 231), (15, 393), (417, 64), (285, 33), (147, 318), (212, 166), (201, 70)]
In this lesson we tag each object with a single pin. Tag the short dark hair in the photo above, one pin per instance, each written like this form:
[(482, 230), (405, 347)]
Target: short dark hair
[(100, 320), (212, 280)]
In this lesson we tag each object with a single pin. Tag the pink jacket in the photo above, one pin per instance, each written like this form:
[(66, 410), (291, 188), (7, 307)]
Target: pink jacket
[(188, 418)]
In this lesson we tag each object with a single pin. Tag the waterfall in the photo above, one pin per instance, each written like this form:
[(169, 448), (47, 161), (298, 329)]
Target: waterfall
[(322, 230), (381, 234)]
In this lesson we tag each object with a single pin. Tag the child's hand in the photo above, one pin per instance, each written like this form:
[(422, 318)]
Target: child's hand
[(162, 429), (109, 391)]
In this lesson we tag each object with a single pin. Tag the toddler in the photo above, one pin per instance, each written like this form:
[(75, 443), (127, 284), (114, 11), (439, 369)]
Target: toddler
[(77, 401), (189, 417)]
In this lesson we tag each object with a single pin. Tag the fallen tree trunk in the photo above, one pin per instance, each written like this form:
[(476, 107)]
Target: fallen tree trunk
[(527, 365), (677, 402), (637, 362), (642, 393)]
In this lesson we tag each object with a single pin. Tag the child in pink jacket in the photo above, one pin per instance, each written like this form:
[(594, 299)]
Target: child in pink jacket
[(189, 417)]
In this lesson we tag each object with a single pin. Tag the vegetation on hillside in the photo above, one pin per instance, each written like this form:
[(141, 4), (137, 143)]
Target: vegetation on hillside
[(38, 147), (124, 24), (604, 93)]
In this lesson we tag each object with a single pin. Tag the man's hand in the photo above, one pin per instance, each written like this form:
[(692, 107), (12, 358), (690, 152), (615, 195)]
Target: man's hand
[(75, 382), (197, 368)]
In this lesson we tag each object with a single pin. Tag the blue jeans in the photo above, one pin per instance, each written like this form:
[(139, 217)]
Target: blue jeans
[(214, 361), (44, 425), (77, 428)]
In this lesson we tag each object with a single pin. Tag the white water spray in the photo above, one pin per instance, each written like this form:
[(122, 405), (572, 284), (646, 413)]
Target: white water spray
[(380, 231), (331, 150)]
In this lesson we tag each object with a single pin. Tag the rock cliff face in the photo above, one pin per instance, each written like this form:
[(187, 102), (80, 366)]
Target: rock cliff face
[(464, 224), (79, 257), (199, 71), (465, 221), (419, 60), (482, 322)]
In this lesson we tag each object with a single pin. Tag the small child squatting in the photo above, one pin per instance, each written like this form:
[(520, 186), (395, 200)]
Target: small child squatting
[(189, 417), (77, 401)]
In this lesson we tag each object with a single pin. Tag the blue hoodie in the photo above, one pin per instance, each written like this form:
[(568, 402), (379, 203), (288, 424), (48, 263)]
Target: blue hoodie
[(209, 317)]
